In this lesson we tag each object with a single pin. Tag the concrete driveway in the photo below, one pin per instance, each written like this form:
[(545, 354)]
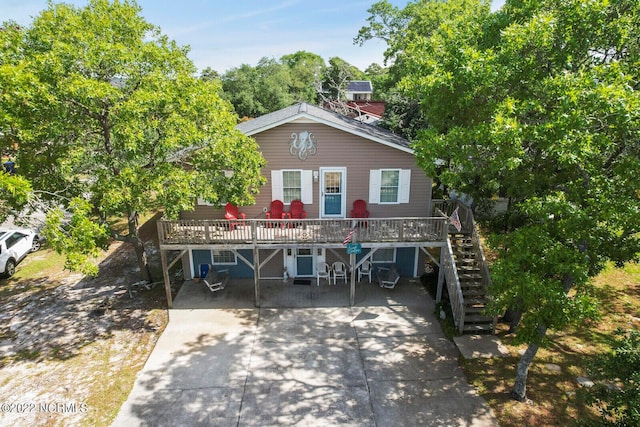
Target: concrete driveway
[(373, 364)]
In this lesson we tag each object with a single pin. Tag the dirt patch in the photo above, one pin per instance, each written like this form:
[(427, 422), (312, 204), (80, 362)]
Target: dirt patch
[(70, 345)]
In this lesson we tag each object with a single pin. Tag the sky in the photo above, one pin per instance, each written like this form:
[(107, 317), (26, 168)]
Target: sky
[(226, 34)]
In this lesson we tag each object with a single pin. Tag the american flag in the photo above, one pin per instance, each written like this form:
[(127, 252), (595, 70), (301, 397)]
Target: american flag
[(455, 220), (349, 236)]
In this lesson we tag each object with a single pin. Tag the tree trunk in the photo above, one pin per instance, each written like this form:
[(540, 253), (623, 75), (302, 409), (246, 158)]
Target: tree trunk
[(519, 391), (138, 246)]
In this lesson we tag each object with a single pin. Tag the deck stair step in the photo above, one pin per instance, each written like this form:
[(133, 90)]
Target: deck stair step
[(469, 268), (477, 328)]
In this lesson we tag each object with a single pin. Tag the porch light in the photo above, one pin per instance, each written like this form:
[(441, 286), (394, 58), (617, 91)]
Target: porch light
[(315, 176)]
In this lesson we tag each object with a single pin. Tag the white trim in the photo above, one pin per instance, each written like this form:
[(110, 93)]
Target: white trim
[(374, 186), (306, 192), (306, 185), (276, 185), (213, 259), (404, 186), (343, 187)]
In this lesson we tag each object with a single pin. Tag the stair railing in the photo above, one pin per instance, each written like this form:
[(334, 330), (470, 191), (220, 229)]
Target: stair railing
[(456, 299), (446, 207)]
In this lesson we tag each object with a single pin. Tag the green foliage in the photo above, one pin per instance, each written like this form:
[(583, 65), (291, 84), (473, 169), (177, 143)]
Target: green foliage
[(273, 84), (101, 105), (14, 194), (538, 103), (78, 237), (616, 393)]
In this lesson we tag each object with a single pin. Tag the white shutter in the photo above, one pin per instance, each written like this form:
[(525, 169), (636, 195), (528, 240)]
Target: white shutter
[(374, 186), (405, 186), (307, 187), (276, 185)]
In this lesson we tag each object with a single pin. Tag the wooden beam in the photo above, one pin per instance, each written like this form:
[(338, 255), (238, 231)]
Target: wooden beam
[(271, 255), (256, 274), (243, 259), (435, 261), (440, 277), (165, 275)]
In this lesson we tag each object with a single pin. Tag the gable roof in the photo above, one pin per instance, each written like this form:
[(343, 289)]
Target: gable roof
[(302, 112), (360, 86)]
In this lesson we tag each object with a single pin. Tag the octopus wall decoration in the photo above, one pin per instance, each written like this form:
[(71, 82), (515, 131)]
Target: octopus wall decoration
[(303, 144)]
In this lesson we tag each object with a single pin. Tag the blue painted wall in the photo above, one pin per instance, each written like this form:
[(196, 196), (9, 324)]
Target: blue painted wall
[(240, 270)]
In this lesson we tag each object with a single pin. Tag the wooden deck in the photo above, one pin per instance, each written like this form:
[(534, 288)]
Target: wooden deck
[(174, 234)]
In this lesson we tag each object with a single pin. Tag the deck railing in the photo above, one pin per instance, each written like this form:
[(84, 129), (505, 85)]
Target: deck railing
[(297, 231), (464, 213)]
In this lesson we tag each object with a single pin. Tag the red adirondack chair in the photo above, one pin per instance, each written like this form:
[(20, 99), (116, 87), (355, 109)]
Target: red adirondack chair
[(276, 212), (359, 209), (296, 211), (232, 214)]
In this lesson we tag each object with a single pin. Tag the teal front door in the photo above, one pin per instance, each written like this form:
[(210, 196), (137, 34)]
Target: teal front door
[(304, 262), (332, 192)]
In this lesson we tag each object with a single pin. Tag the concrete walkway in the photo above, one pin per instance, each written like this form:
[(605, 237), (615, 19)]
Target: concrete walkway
[(383, 362)]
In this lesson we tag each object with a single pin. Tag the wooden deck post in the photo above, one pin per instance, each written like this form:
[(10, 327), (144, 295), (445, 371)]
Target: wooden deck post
[(256, 274), (165, 276), (440, 276)]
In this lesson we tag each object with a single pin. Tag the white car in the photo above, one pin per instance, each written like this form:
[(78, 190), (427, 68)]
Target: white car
[(15, 244)]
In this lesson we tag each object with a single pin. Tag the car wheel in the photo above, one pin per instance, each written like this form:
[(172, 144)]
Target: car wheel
[(35, 245), (10, 268)]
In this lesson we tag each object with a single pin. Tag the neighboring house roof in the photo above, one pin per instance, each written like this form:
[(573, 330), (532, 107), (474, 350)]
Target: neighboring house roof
[(375, 108), (307, 112), (360, 86)]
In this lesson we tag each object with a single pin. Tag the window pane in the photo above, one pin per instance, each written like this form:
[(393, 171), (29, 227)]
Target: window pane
[(384, 255), (224, 257), (389, 183), (390, 178), (291, 185)]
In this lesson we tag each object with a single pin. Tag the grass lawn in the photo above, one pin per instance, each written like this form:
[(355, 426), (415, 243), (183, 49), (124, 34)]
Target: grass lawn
[(551, 384)]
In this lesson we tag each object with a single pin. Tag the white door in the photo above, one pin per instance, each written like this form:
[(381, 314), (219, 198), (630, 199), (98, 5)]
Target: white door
[(333, 192)]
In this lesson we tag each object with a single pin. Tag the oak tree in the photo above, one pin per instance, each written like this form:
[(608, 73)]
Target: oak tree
[(539, 103), (110, 120)]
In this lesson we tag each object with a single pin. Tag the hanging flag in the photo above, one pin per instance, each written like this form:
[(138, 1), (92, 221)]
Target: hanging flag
[(349, 236), (455, 220)]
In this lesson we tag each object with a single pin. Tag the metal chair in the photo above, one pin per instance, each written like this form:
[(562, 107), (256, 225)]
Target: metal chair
[(365, 269), (323, 271), (339, 270)]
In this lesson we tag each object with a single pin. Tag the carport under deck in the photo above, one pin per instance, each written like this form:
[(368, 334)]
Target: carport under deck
[(239, 293), (180, 236)]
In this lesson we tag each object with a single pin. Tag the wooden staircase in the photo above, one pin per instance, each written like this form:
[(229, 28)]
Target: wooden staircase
[(469, 265)]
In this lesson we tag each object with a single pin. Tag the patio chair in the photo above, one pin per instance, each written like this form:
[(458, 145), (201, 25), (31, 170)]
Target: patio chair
[(276, 211), (296, 211), (232, 214), (365, 270), (388, 277), (359, 209), (214, 280), (339, 270), (323, 271)]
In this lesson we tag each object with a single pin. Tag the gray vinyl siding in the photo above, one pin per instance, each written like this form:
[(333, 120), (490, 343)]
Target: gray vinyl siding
[(335, 148)]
